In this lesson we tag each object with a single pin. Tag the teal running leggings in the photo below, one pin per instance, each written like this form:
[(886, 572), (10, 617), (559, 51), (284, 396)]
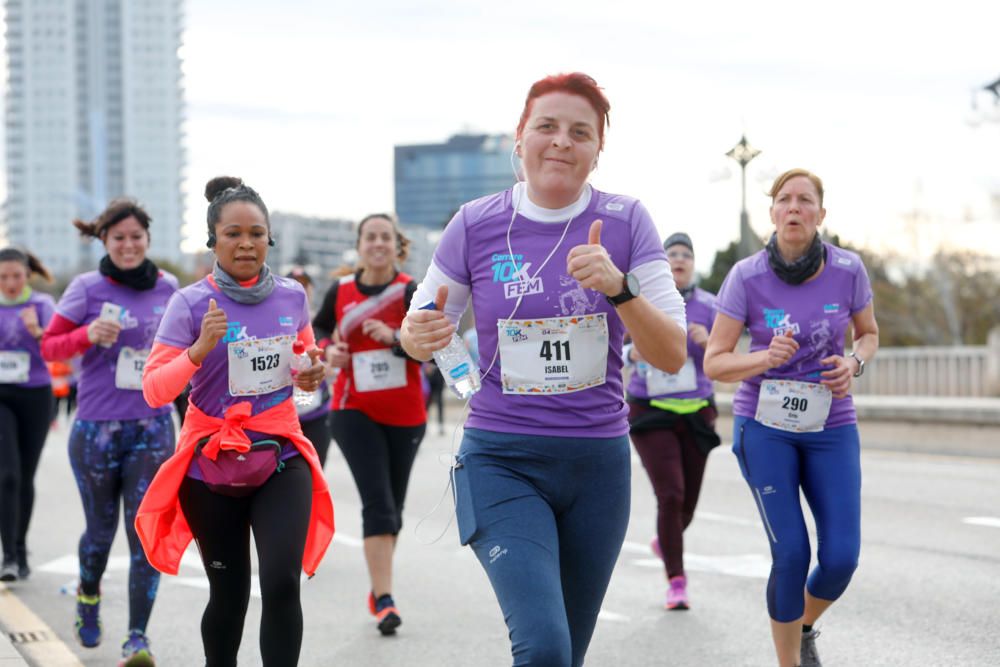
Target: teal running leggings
[(546, 517)]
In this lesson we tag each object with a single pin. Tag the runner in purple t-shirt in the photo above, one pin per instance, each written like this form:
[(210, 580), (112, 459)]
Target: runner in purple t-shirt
[(554, 269), (117, 442), (231, 336), (794, 423), (25, 401), (672, 423)]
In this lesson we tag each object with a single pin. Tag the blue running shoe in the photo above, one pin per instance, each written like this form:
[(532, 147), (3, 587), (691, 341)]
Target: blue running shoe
[(88, 619), (135, 651)]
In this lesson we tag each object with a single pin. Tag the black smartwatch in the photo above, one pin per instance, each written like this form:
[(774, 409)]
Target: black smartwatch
[(630, 290)]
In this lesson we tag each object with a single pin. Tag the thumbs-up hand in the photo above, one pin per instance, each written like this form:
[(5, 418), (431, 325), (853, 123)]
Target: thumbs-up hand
[(424, 332), (213, 329), (591, 265)]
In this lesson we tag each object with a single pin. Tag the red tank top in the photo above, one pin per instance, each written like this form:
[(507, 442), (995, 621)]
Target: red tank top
[(380, 384)]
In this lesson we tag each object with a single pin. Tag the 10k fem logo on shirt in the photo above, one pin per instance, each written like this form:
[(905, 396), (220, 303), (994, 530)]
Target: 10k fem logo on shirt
[(512, 271), (779, 322)]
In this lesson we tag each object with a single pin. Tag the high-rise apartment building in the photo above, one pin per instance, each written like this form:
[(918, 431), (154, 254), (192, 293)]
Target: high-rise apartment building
[(433, 180), (93, 110)]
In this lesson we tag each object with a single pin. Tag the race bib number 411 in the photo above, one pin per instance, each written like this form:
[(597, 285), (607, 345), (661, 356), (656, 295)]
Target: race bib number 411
[(557, 355), (260, 366)]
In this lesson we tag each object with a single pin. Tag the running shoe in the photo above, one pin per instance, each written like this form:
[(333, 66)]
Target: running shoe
[(387, 617), (654, 545), (135, 651), (8, 571), (808, 655), (23, 571), (677, 597), (88, 619)]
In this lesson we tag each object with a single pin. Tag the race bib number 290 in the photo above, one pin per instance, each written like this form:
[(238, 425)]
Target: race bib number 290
[(260, 366)]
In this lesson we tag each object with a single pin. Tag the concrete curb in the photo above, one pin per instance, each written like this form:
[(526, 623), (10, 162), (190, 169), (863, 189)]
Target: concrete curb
[(26, 640)]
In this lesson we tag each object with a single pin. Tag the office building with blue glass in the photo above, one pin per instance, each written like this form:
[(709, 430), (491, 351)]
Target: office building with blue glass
[(433, 180)]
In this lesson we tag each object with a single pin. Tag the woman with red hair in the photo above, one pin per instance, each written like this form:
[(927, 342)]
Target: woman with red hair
[(554, 269)]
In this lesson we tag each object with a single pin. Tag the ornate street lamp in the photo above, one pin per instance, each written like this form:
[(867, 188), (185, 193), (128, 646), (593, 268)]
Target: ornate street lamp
[(743, 153)]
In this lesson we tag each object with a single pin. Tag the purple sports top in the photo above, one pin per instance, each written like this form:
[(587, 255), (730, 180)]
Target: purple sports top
[(473, 251), (14, 337), (284, 312), (818, 312), (99, 399), (700, 307)]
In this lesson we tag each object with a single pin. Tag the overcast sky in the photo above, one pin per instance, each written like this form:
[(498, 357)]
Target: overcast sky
[(306, 99)]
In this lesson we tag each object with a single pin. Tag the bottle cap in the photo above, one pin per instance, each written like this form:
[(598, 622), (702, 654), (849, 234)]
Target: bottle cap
[(428, 306), (298, 347)]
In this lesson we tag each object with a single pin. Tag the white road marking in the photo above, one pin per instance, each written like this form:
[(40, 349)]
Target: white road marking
[(70, 564), (348, 540), (991, 521), (605, 615), (754, 566)]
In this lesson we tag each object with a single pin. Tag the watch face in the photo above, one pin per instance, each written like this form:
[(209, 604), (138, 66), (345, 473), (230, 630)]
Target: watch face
[(633, 284)]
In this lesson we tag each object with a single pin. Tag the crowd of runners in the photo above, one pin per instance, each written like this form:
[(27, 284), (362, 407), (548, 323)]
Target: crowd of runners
[(593, 335)]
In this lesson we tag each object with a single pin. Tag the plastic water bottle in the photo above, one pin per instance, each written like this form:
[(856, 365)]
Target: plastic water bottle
[(456, 365), (300, 362)]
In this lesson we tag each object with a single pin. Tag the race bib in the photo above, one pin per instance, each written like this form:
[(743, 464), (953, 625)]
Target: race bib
[(376, 370), (558, 355), (129, 367), (14, 366), (660, 383), (799, 407), (260, 366)]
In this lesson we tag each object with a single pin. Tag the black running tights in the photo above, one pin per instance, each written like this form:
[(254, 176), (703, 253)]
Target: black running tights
[(278, 514)]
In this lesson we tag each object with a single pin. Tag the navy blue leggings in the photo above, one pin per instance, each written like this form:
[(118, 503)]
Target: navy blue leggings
[(827, 467), (546, 517), (114, 462)]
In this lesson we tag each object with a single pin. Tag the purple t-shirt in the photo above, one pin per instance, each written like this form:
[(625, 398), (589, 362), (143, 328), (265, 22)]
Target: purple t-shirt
[(818, 313), (98, 397), (700, 307), (283, 313), (14, 337), (473, 251)]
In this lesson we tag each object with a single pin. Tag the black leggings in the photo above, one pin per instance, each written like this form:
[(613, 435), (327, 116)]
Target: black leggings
[(380, 458), (318, 432), (278, 514), (25, 416)]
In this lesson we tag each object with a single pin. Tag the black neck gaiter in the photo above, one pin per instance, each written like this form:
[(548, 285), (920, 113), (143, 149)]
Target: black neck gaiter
[(797, 272), (142, 277)]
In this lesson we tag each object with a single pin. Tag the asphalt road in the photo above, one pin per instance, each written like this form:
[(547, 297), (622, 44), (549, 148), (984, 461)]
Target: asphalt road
[(927, 591)]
